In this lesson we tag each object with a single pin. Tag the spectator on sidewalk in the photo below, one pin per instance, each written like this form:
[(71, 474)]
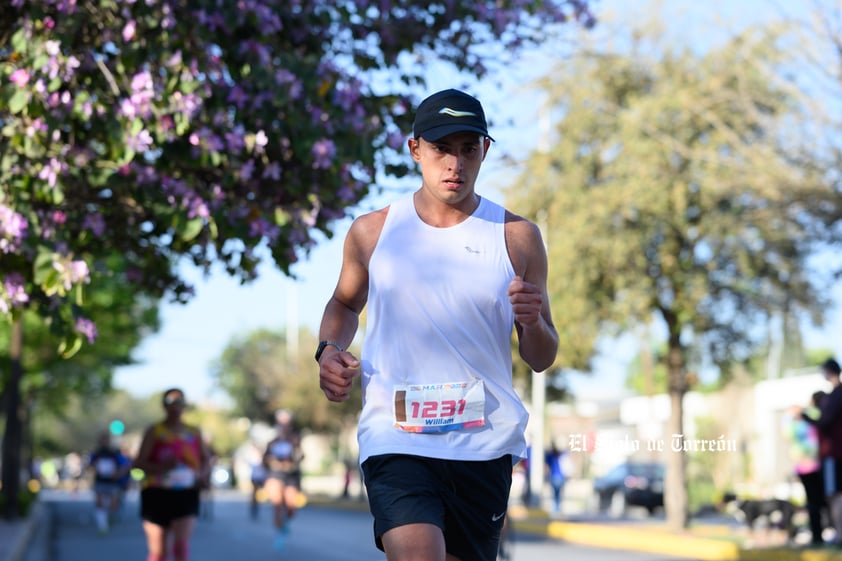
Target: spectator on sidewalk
[(558, 470), (829, 424), (804, 450)]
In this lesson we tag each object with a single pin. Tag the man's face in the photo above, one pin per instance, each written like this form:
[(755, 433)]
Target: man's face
[(450, 165)]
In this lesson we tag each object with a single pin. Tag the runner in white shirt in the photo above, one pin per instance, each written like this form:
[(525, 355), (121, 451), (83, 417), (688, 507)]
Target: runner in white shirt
[(446, 276)]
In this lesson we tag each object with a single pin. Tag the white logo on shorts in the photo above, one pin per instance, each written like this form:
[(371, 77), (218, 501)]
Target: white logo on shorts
[(496, 517)]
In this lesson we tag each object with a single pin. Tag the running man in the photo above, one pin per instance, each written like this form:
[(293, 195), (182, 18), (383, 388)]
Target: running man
[(446, 276), (109, 467)]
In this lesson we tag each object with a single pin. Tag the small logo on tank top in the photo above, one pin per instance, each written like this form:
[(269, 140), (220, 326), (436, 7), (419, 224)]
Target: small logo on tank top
[(469, 249)]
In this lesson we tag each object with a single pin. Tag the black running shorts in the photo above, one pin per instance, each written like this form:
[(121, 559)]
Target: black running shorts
[(467, 500), (162, 506)]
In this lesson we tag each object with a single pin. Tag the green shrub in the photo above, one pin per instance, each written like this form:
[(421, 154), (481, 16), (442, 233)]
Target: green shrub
[(26, 499)]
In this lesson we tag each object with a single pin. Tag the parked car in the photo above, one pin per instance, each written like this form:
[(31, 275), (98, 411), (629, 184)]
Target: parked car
[(630, 484)]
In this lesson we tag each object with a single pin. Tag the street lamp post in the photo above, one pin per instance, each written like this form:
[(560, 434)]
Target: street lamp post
[(536, 455)]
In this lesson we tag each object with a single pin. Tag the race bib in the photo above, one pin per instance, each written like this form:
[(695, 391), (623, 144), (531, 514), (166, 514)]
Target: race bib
[(182, 477), (281, 450), (439, 407), (105, 467)]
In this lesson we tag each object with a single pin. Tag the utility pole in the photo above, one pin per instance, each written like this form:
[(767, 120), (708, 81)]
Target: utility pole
[(292, 321), (536, 455), (539, 402)]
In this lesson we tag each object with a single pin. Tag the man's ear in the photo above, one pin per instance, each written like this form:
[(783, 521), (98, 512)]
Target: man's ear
[(414, 146), (486, 144)]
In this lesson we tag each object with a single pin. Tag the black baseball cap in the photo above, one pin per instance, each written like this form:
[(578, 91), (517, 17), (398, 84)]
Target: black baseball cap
[(830, 366), (447, 112)]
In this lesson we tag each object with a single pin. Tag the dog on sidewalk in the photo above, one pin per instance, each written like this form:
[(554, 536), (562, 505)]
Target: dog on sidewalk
[(766, 522)]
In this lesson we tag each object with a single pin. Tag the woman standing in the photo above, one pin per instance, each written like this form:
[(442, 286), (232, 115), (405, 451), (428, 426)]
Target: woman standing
[(283, 461), (175, 462)]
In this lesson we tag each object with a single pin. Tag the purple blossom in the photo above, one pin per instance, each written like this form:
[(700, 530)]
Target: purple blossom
[(247, 170), (15, 289), (50, 172), (72, 272), (128, 109), (324, 151), (347, 95), (143, 92), (260, 141), (174, 60), (66, 6), (273, 170), (78, 271), (284, 77), (196, 207), (395, 140), (187, 104), (140, 142), (95, 223), (262, 227), (86, 327), (86, 109), (238, 97), (12, 229), (129, 31), (19, 77), (37, 125), (53, 48)]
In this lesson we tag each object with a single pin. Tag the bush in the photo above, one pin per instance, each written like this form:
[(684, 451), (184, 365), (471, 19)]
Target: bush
[(26, 499)]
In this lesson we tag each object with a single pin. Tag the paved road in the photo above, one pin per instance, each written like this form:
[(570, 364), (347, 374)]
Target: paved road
[(318, 534)]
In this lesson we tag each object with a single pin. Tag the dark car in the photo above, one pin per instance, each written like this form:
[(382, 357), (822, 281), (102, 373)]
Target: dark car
[(631, 484)]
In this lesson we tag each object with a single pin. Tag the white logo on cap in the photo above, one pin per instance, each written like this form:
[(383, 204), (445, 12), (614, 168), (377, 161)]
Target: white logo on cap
[(455, 113)]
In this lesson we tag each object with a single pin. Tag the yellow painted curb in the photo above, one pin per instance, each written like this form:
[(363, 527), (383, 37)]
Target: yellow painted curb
[(650, 541), (653, 540)]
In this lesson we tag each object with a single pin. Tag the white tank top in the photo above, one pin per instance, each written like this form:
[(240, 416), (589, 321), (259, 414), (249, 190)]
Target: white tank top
[(438, 312)]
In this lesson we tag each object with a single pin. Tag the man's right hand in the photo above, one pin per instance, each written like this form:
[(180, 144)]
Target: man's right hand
[(337, 370)]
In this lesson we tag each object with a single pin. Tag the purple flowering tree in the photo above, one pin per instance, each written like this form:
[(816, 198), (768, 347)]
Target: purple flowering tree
[(158, 130)]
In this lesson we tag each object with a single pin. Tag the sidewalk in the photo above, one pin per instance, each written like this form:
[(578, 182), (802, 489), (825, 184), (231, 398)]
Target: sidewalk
[(15, 536), (706, 542)]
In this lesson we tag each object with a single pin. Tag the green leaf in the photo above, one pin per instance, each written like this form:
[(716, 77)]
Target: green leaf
[(70, 345), (43, 265), (19, 41), (18, 101), (192, 229)]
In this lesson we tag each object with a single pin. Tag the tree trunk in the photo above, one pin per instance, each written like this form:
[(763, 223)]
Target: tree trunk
[(12, 443), (675, 491)]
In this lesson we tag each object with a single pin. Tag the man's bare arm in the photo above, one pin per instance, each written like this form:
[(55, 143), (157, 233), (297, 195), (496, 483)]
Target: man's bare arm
[(340, 321), (537, 336)]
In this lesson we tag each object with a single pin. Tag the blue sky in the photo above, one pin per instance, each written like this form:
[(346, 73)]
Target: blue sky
[(195, 334)]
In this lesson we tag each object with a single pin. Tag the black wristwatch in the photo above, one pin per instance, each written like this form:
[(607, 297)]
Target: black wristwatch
[(323, 345)]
